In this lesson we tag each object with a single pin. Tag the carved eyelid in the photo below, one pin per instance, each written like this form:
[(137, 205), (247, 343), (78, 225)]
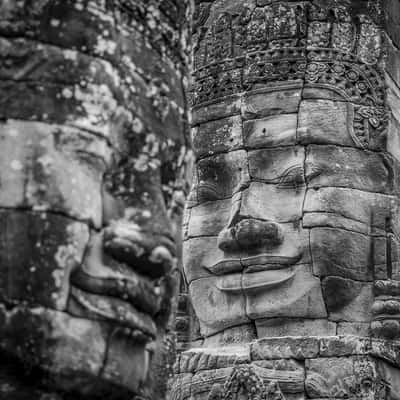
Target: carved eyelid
[(207, 191), (291, 177)]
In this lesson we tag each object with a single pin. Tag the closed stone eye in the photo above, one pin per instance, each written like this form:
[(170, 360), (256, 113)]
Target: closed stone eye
[(292, 178)]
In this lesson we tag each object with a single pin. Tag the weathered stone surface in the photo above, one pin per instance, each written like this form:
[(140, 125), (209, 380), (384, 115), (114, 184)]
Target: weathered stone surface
[(216, 306), (391, 376), (217, 136), (356, 261), (93, 132), (340, 378), (365, 209), (208, 358), (214, 111), (279, 100), (300, 296), (314, 223), (208, 219), (229, 337), (199, 254), (54, 340), (325, 122), (44, 167), (353, 328), (298, 348), (347, 300), (273, 131), (37, 259), (338, 346), (220, 176), (282, 166), (347, 167), (126, 363), (272, 202), (278, 327)]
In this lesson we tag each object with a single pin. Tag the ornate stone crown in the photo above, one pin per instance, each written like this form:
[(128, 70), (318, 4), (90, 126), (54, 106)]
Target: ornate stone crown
[(334, 50)]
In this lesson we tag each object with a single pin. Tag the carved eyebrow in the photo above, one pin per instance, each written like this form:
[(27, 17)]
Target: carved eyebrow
[(290, 177)]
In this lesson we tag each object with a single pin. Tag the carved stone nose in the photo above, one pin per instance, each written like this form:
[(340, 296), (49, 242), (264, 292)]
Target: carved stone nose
[(250, 233)]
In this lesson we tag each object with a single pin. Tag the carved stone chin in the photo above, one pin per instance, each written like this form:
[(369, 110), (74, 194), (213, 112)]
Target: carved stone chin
[(291, 226)]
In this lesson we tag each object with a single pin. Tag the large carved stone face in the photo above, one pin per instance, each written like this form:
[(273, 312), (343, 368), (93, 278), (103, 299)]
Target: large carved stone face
[(93, 178), (294, 210)]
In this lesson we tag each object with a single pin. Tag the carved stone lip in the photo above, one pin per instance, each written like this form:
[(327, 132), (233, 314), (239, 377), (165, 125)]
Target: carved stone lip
[(225, 267), (261, 281), (264, 262), (255, 281), (261, 262)]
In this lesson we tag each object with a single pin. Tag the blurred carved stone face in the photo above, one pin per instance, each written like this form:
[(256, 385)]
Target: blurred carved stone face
[(294, 209), (88, 243), (93, 178)]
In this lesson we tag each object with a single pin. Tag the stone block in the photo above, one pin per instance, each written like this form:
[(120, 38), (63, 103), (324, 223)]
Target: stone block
[(270, 202), (338, 346), (230, 105), (391, 376), (126, 363), (313, 220), (219, 176), (277, 327), (325, 122), (365, 209), (37, 254), (208, 219), (348, 300), (180, 386), (199, 254), (340, 377), (217, 309), (278, 100), (298, 348), (232, 336), (353, 328), (217, 136), (357, 259), (53, 340), (288, 373), (282, 166), (298, 297), (209, 358), (45, 167), (388, 350), (273, 131), (392, 61), (333, 166)]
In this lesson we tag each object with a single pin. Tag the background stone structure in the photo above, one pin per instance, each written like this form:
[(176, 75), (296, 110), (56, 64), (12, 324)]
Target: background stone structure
[(93, 161), (291, 251)]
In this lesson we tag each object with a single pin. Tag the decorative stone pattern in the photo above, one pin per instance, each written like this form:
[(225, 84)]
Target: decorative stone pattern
[(334, 367), (94, 169), (291, 231)]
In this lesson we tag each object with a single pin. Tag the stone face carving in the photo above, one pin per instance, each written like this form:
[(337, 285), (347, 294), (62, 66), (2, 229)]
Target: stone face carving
[(291, 228), (94, 170)]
